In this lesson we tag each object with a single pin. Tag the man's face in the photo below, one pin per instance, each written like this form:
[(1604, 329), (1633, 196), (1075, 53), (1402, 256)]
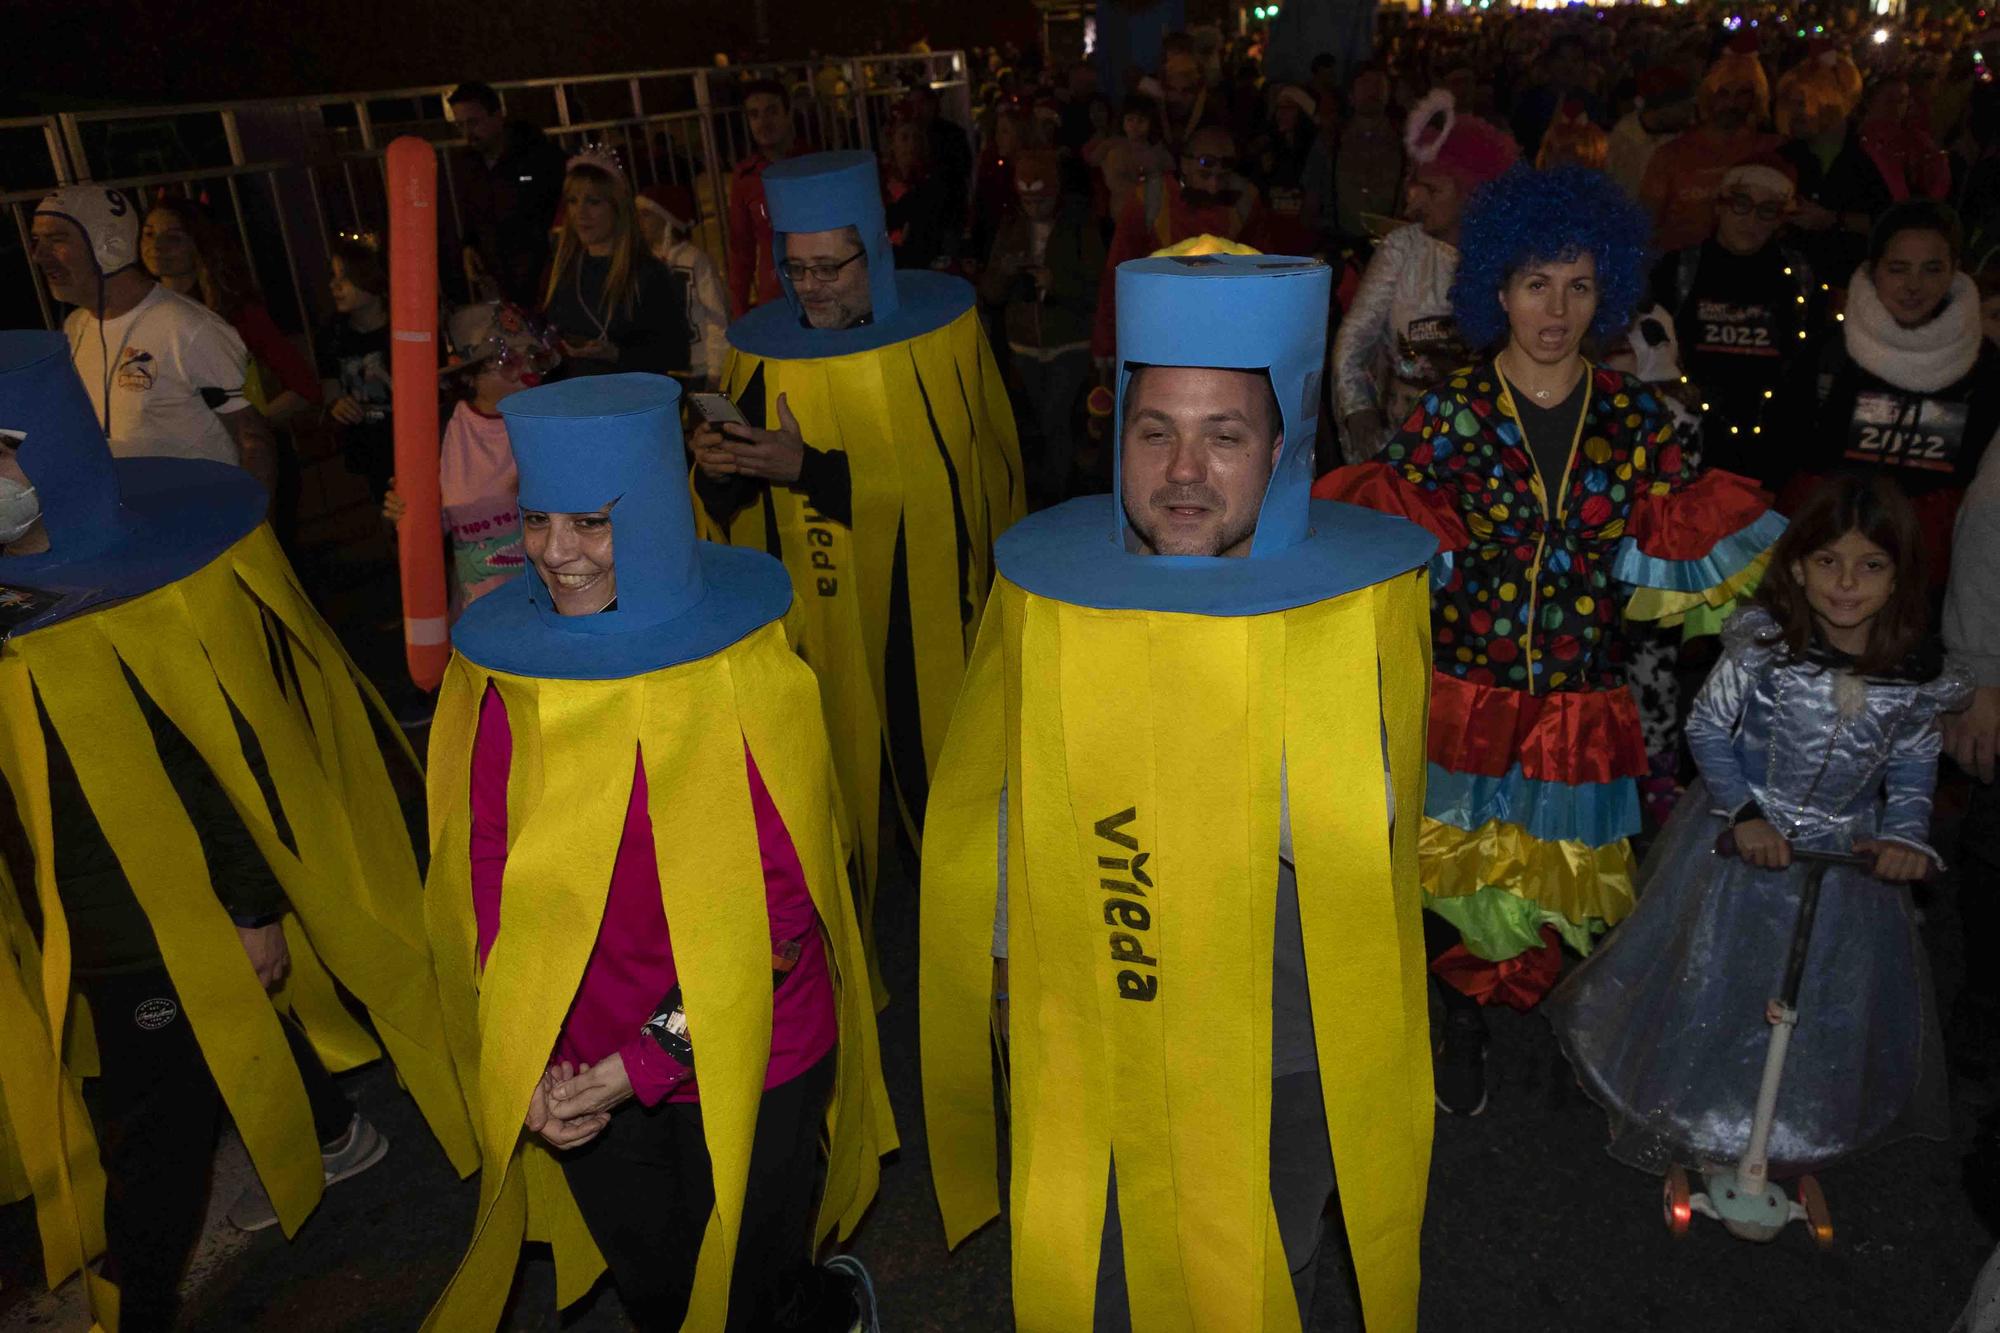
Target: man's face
[(1209, 163), (64, 257), (1746, 219), (1196, 457), (482, 129), (829, 270), (1181, 82), (770, 123)]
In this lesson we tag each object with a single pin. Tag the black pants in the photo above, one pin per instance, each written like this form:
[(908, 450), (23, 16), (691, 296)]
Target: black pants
[(644, 1188), (157, 1112)]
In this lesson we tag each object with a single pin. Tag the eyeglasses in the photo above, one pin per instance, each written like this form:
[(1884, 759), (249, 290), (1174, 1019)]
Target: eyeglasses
[(820, 273), (1210, 162), (1742, 205)]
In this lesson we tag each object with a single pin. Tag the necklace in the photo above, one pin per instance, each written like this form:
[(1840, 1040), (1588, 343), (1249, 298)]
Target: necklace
[(1542, 395)]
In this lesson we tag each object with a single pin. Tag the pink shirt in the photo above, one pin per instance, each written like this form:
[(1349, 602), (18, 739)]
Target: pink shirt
[(631, 966), (477, 486)]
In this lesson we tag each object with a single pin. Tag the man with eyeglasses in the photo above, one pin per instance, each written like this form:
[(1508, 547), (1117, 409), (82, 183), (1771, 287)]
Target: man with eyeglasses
[(1205, 197), (875, 456), (1744, 304)]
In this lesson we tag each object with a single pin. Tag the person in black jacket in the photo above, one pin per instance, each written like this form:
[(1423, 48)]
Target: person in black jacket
[(509, 187), (614, 306)]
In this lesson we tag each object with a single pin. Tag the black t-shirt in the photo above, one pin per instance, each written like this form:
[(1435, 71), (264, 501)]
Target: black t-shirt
[(1550, 432)]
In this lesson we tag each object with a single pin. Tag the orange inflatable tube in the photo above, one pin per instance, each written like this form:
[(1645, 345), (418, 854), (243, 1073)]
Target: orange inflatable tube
[(413, 369)]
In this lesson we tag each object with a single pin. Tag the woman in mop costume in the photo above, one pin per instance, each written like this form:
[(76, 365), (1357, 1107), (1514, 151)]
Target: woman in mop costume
[(197, 798), (1141, 698), (1562, 501), (889, 467), (626, 746)]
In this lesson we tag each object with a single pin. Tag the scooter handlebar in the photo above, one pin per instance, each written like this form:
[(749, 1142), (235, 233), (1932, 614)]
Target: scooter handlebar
[(1725, 845)]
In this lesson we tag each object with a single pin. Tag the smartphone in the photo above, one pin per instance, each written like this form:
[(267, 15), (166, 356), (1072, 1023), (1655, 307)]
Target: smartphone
[(716, 409)]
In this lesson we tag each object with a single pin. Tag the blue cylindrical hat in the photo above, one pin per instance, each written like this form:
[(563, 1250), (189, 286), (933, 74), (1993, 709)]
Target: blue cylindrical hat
[(613, 442), (1239, 312), (117, 527), (822, 191), (819, 192), (1233, 312)]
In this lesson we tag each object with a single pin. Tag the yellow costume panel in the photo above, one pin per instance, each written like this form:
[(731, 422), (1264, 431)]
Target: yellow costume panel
[(935, 470), (1142, 752), (237, 639), (690, 724)]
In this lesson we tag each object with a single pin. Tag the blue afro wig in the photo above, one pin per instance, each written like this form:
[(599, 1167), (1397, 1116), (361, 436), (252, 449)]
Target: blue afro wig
[(1558, 214)]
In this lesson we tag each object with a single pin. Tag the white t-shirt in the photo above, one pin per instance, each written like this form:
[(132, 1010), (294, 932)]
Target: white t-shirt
[(154, 361)]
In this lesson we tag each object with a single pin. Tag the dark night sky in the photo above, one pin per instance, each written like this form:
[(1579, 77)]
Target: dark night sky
[(117, 51)]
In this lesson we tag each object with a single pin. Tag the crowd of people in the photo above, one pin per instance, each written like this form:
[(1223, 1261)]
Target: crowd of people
[(1648, 358)]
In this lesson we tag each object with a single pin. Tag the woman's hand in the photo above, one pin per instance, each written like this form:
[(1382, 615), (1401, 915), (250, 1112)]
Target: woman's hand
[(394, 506), (554, 1130), (597, 349), (1761, 845), (594, 1090), (347, 411), (1893, 861)]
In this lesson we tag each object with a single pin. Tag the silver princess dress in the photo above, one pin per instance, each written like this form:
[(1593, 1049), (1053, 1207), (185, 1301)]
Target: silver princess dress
[(1665, 1024)]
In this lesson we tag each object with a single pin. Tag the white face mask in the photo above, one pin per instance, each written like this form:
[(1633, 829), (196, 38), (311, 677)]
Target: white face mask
[(20, 507)]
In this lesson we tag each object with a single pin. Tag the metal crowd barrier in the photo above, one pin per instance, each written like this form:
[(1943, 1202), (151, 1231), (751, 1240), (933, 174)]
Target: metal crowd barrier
[(291, 174)]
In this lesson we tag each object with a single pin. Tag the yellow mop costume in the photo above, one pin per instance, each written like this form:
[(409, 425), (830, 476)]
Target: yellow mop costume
[(689, 668), (1145, 716), (912, 411), (161, 581)]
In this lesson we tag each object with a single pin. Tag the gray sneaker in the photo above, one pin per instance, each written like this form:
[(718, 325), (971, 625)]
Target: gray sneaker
[(361, 1147)]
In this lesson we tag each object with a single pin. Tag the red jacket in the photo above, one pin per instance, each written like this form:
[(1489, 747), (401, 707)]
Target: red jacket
[(752, 278)]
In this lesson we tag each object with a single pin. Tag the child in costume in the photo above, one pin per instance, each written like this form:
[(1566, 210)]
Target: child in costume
[(1565, 507), (623, 743), (879, 463), (1183, 695), (1818, 729), (496, 351), (204, 839)]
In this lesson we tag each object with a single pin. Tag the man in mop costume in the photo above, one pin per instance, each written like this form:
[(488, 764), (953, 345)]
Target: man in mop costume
[(1178, 717), (636, 883), (879, 463), (198, 814)]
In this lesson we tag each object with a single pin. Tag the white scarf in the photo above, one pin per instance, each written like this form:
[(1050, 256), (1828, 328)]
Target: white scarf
[(1925, 359)]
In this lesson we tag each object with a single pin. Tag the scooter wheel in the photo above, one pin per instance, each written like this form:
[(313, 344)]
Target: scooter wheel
[(1675, 1201), (1818, 1220)]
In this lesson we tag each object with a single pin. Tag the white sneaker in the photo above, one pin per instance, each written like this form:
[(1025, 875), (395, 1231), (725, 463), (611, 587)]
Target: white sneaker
[(361, 1147)]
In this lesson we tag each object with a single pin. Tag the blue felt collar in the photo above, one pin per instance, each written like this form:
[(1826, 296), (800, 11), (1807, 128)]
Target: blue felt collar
[(928, 302), (507, 631), (1066, 554)]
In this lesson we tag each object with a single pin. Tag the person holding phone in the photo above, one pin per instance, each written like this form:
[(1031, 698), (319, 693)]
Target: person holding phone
[(613, 305), (877, 458)]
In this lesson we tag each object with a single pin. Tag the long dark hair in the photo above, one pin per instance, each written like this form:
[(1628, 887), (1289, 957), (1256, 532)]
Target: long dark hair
[(220, 276), (1876, 508)]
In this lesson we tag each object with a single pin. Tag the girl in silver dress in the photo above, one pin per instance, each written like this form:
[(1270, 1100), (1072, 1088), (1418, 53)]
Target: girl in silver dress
[(1818, 729)]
